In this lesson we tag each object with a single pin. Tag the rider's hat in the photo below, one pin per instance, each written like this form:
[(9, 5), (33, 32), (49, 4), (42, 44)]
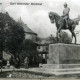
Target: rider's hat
[(65, 4)]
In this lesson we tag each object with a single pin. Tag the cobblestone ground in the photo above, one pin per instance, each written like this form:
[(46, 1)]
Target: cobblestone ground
[(19, 75), (26, 75)]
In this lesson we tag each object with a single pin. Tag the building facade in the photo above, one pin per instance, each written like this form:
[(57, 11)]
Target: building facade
[(29, 34)]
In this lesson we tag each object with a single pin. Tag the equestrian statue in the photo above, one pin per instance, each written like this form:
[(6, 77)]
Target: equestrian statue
[(64, 22)]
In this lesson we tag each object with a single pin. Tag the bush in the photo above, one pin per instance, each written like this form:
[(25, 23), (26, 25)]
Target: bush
[(29, 50)]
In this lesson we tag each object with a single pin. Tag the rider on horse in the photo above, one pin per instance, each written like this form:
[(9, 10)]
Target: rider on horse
[(66, 14)]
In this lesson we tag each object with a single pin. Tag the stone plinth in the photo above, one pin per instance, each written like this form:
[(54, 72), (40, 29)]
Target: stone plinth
[(64, 54)]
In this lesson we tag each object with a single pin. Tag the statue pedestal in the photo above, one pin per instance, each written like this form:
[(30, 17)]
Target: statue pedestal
[(63, 56)]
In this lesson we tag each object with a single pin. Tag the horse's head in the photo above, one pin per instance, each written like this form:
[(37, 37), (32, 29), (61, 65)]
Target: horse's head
[(51, 16)]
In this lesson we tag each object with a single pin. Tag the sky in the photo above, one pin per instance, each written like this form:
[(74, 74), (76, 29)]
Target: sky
[(36, 16)]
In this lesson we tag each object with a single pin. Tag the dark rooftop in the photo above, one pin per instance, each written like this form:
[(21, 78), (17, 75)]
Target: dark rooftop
[(26, 28)]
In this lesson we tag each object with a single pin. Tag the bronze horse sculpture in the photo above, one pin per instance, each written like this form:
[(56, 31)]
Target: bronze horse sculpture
[(60, 24)]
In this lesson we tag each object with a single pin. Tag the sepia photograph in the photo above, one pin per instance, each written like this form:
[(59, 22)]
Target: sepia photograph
[(40, 39)]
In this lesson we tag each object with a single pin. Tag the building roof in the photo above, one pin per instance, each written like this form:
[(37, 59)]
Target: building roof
[(26, 28)]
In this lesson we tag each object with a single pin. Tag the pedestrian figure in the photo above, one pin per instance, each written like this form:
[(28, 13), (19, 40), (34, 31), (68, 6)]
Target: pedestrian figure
[(8, 64), (26, 61)]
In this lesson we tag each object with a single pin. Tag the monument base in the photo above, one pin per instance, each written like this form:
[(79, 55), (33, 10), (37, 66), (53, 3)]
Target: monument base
[(61, 66), (63, 56)]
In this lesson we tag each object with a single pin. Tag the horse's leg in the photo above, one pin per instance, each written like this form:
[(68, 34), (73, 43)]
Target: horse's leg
[(72, 31), (73, 34), (58, 31), (57, 36)]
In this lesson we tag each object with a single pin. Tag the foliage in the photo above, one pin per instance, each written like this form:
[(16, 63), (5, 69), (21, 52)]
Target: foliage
[(30, 50), (64, 38), (52, 39), (11, 34), (14, 37), (38, 39)]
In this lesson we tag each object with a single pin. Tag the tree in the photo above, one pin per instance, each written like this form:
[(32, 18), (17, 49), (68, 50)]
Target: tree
[(38, 40), (64, 38), (52, 39), (14, 37), (30, 50), (11, 35)]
